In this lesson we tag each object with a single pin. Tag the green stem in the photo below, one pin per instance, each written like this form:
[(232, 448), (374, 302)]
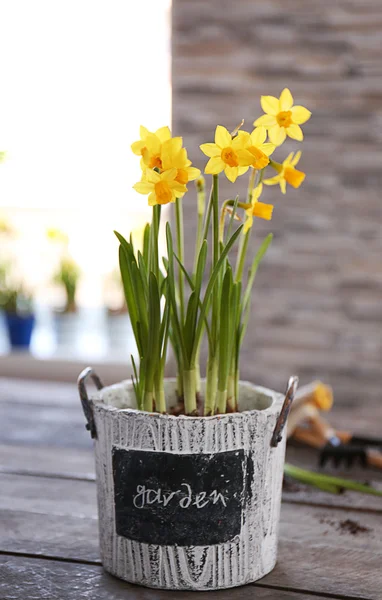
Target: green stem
[(160, 399), (231, 400), (221, 401), (251, 184), (242, 255), (197, 370), (189, 383), (179, 383), (211, 385), (215, 258), (199, 230), (208, 216), (148, 401), (153, 247), (180, 251)]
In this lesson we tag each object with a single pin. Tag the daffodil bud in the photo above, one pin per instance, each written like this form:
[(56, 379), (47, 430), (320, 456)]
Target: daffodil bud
[(201, 191)]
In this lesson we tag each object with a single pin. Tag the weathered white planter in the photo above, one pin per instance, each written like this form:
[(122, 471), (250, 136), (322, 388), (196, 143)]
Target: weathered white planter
[(187, 503)]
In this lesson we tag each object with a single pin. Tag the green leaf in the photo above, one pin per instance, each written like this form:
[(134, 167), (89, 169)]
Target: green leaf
[(192, 287), (328, 482), (225, 327), (146, 243), (231, 221), (210, 287), (255, 264), (176, 328), (129, 294), (153, 350)]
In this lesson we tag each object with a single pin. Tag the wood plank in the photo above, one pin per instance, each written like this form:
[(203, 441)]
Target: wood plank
[(38, 579), (27, 391), (60, 426), (47, 460), (57, 518)]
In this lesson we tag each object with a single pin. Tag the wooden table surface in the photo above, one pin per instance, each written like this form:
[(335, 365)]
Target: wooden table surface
[(48, 514)]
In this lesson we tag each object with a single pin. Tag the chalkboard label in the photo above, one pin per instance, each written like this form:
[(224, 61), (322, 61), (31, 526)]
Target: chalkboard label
[(178, 499)]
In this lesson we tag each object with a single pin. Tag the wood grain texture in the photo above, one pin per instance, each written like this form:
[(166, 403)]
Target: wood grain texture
[(47, 460), (318, 294), (35, 579), (315, 553)]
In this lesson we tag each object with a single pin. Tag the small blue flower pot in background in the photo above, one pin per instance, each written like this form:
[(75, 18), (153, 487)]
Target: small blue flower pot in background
[(20, 328)]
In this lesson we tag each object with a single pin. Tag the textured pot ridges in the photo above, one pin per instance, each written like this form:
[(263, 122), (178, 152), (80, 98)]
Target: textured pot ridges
[(245, 558)]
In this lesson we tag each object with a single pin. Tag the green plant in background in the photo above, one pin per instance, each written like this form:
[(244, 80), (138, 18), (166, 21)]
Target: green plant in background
[(14, 298), (67, 276), (168, 303)]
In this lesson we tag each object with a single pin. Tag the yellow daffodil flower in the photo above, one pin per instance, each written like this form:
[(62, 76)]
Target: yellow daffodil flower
[(282, 118), (257, 209), (258, 150), (161, 187), (287, 173), (139, 147), (223, 154), (175, 157)]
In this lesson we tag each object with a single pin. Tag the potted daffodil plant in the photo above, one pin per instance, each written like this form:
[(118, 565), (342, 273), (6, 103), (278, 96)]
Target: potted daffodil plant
[(190, 469)]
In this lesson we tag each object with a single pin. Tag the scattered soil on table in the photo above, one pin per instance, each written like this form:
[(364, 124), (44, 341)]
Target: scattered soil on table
[(347, 526)]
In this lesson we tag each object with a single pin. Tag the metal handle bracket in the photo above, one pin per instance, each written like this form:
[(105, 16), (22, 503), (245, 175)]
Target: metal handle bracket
[(283, 416), (86, 406)]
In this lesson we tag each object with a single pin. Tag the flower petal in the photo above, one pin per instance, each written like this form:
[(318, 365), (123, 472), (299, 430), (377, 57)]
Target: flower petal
[(143, 132), (169, 175), (193, 173), (265, 121), (222, 137), (272, 180), (288, 160), (283, 185), (286, 100), (277, 135), (180, 191), (163, 134), (256, 193), (214, 166), (210, 150), (242, 140), (232, 173), (143, 187), (270, 105), (267, 148), (152, 199), (258, 136), (296, 158), (263, 211), (152, 176), (295, 132), (137, 147), (245, 158), (243, 170), (248, 223), (153, 144), (300, 114)]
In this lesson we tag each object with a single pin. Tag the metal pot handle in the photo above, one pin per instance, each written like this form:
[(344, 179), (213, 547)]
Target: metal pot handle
[(86, 407), (282, 419)]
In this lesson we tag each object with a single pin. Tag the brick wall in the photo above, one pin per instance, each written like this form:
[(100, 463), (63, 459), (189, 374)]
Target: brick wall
[(317, 306)]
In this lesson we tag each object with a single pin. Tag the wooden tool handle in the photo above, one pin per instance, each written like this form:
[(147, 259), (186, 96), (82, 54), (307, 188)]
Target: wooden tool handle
[(374, 459), (307, 436)]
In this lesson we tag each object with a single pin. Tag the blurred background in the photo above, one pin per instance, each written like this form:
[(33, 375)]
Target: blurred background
[(77, 80)]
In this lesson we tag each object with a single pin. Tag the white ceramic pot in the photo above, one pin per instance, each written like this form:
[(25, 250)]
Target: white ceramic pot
[(186, 503)]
